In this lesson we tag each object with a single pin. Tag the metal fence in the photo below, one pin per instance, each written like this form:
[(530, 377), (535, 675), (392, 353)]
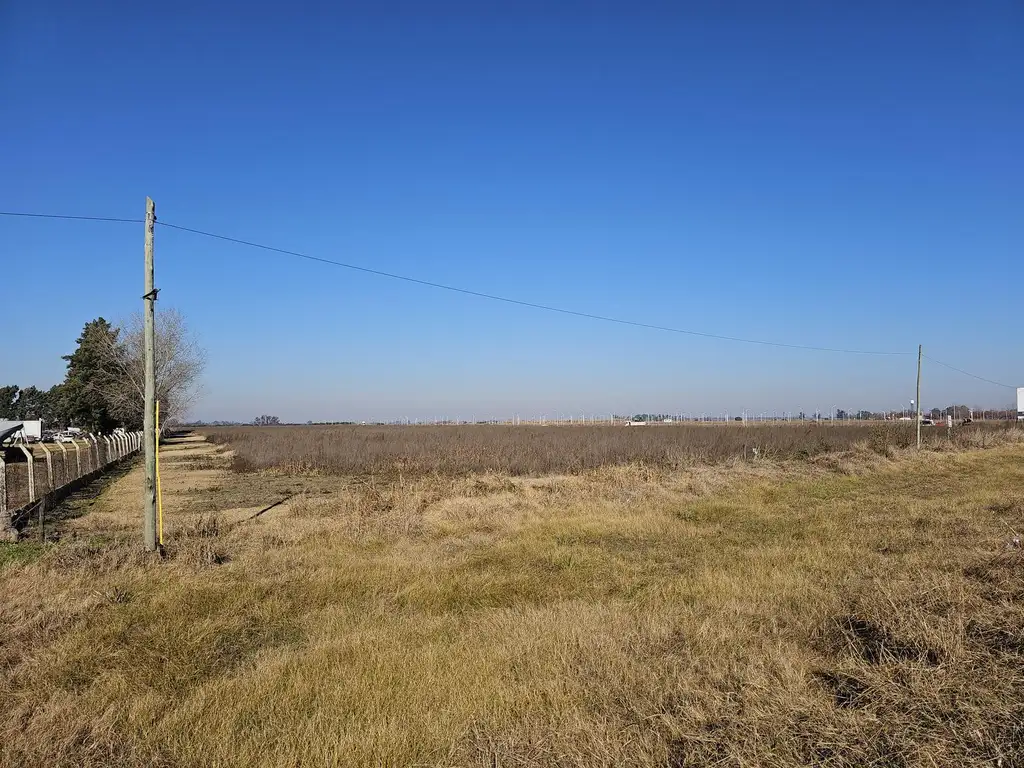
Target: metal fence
[(46, 472)]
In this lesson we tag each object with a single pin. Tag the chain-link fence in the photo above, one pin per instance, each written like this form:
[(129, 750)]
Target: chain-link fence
[(45, 471)]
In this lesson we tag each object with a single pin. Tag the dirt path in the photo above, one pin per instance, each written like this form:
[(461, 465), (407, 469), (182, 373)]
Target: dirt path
[(195, 481)]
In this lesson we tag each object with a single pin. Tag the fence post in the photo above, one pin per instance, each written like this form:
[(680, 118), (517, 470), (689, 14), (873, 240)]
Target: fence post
[(49, 466), (78, 457), (31, 473), (106, 456), (67, 474), (5, 521), (96, 451)]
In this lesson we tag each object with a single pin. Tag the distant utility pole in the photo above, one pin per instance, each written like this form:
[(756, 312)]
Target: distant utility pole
[(149, 416), (920, 349)]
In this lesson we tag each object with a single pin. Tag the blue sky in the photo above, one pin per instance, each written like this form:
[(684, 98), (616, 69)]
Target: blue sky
[(811, 173)]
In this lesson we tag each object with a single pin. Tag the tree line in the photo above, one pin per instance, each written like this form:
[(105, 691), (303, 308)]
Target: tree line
[(104, 384)]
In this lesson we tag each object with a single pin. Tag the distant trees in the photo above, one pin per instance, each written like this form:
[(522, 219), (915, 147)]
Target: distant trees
[(104, 385), (32, 403), (8, 397), (266, 421)]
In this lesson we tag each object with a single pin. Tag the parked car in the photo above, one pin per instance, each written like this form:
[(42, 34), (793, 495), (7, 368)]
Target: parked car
[(64, 437)]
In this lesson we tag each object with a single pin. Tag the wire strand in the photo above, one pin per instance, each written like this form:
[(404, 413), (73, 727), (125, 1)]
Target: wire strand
[(70, 218), (491, 296), (519, 302), (968, 373)]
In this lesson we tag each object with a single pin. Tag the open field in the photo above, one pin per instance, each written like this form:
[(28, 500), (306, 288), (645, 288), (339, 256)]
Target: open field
[(536, 450), (844, 609)]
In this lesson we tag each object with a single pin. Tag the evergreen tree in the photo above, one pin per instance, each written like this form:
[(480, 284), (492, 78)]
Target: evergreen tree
[(8, 400), (89, 373)]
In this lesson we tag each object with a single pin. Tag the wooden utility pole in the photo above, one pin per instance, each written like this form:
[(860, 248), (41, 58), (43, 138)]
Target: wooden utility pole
[(919, 352), (149, 417)]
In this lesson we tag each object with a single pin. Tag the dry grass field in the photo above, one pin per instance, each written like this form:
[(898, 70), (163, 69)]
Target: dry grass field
[(537, 450), (846, 608)]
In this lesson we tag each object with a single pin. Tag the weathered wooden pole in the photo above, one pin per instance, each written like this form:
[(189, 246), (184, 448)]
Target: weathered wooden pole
[(149, 415)]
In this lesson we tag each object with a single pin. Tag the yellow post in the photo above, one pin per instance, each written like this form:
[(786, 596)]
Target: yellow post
[(159, 495)]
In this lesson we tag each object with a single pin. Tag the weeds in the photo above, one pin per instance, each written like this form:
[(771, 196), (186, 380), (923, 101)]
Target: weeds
[(842, 611), (397, 452)]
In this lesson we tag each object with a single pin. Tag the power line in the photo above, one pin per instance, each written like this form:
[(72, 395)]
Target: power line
[(967, 373), (70, 218), (519, 302), (480, 294)]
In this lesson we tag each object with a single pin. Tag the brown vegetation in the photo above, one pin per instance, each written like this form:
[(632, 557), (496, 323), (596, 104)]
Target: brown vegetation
[(846, 610), (537, 450)]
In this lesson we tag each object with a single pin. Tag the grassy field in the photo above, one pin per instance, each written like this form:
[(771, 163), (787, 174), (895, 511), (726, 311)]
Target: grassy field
[(844, 609), (537, 450)]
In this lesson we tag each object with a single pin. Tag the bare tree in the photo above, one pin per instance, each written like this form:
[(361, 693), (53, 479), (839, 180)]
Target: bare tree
[(180, 362)]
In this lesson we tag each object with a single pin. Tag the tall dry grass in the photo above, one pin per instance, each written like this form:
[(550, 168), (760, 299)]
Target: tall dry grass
[(537, 450), (761, 614)]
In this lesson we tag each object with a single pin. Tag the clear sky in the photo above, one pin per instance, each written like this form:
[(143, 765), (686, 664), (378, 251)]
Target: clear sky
[(831, 174)]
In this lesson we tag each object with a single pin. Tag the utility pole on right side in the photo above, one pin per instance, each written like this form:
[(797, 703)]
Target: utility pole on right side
[(920, 347), (149, 415)]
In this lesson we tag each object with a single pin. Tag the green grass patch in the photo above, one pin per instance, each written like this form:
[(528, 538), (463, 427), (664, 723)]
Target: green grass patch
[(20, 553)]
